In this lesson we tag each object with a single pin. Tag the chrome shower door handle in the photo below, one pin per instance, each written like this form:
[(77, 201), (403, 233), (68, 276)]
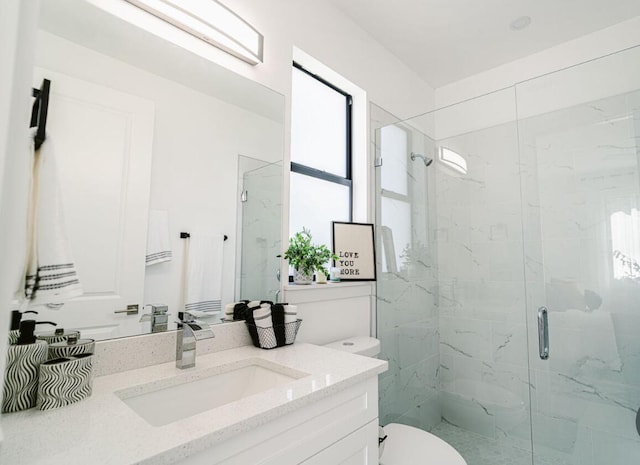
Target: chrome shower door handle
[(543, 332)]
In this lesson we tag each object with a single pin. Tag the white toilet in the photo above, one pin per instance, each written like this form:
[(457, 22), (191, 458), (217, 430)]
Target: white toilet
[(404, 445)]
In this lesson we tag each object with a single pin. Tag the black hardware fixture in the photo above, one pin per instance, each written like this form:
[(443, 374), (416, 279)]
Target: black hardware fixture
[(39, 112), (186, 235)]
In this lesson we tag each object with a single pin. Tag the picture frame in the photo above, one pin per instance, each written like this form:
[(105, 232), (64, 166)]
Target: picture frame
[(354, 244)]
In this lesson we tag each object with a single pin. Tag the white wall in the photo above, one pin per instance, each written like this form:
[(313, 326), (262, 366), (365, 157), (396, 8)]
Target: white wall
[(589, 47), (320, 30), (17, 28), (197, 140)]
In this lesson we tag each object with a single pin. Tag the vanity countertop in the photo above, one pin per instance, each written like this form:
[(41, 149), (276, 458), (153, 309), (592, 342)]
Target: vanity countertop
[(104, 430)]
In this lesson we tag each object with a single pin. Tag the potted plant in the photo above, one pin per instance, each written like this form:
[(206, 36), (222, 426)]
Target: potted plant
[(305, 257)]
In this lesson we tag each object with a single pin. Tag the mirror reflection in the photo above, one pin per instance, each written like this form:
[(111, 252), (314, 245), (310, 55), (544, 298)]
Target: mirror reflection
[(152, 141)]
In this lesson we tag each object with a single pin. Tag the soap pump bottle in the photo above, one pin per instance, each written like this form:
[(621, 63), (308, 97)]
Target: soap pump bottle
[(14, 326), (21, 373)]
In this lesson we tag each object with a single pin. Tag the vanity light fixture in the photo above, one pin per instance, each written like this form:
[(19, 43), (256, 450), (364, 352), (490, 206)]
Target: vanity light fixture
[(212, 22), (453, 160)]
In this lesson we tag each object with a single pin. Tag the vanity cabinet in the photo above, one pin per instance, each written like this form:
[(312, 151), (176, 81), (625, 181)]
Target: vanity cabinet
[(360, 447), (339, 429)]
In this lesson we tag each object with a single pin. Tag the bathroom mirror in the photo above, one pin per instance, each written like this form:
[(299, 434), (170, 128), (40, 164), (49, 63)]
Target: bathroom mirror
[(141, 125)]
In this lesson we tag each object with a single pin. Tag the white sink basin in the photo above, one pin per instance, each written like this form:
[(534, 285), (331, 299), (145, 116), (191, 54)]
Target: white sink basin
[(174, 399)]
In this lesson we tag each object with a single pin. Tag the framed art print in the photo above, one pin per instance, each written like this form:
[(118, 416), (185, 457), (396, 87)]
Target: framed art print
[(354, 245)]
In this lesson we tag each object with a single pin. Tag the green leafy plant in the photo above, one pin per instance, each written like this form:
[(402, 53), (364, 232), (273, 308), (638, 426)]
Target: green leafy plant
[(305, 256)]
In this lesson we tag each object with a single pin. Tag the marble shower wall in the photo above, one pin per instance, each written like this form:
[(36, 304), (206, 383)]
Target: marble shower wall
[(484, 385), (407, 318)]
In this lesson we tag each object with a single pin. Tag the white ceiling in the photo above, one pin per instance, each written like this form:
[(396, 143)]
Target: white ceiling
[(447, 40)]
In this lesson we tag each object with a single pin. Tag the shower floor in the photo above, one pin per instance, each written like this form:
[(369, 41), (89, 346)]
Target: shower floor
[(480, 450)]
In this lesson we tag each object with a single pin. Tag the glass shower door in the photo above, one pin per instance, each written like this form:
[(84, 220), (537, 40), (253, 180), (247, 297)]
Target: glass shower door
[(581, 218), (259, 222), (407, 320)]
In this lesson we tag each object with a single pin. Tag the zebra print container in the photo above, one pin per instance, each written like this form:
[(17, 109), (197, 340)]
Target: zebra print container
[(71, 347), (65, 381), (58, 336), (14, 334), (21, 376)]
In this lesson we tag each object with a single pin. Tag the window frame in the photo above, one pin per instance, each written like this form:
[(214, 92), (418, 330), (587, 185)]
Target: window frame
[(324, 175)]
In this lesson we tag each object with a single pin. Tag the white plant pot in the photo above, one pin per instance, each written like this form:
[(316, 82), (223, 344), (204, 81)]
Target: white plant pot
[(300, 277), (321, 278)]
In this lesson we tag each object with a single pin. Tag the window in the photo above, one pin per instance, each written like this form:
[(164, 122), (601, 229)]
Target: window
[(321, 182)]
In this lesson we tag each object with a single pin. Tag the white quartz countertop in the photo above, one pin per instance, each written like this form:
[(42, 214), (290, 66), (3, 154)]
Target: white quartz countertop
[(104, 430)]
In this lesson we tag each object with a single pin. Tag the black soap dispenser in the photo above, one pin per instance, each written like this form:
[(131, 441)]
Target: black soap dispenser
[(21, 373), (14, 326)]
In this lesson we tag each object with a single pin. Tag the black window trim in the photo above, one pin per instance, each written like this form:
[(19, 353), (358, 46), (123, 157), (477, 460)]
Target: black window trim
[(324, 175)]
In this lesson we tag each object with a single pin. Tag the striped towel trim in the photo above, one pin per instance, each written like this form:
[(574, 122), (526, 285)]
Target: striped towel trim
[(50, 278), (206, 306), (158, 257), (257, 318)]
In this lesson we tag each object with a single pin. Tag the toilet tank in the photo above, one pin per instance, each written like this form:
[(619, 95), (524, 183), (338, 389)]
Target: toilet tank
[(360, 345)]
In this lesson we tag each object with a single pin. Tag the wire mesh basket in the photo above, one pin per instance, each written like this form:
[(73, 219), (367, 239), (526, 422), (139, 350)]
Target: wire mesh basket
[(274, 336)]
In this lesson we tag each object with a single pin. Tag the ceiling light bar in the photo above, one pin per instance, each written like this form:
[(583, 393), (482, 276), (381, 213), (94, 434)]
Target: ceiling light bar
[(212, 22), (453, 160)]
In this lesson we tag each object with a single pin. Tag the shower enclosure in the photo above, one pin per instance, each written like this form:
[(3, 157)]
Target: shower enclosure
[(259, 219), (522, 236)]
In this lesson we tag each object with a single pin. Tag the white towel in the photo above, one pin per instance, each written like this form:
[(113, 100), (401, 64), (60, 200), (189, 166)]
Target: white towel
[(158, 242), (290, 313), (228, 311), (290, 316), (264, 326), (51, 277), (204, 273)]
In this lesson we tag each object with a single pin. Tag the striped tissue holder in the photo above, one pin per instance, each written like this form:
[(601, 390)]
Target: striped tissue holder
[(64, 381)]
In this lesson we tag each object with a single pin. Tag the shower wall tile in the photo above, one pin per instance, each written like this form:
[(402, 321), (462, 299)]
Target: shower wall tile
[(604, 408), (425, 416), (388, 399), (492, 300), (509, 342), (495, 222), (418, 382), (408, 332), (470, 338), (614, 450), (463, 368), (496, 261), (389, 350), (626, 324), (466, 415), (555, 433), (402, 302), (416, 340), (616, 420)]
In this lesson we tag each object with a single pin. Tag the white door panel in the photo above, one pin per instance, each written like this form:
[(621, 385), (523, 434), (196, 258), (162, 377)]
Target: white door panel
[(103, 145)]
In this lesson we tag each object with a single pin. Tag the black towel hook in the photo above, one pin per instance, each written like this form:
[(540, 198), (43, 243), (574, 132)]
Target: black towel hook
[(39, 112)]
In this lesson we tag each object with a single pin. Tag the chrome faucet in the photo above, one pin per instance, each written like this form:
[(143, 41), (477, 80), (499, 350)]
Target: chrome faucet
[(190, 331), (159, 317)]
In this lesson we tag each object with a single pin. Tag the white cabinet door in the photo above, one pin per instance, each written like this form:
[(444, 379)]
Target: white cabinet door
[(103, 145), (358, 448)]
